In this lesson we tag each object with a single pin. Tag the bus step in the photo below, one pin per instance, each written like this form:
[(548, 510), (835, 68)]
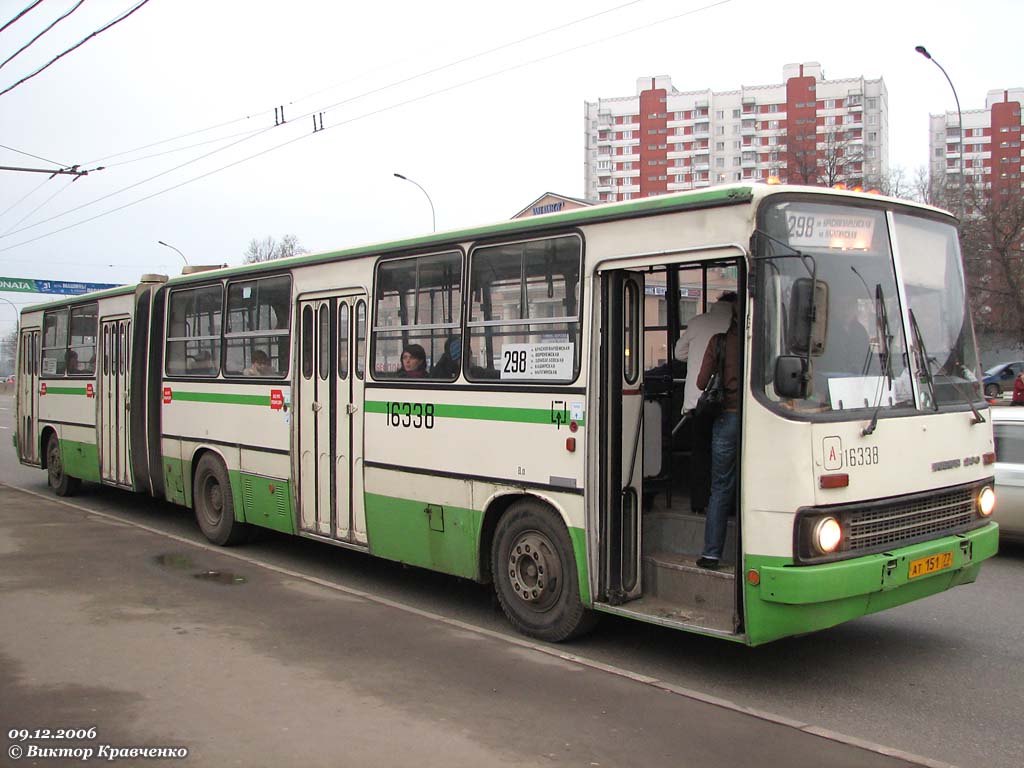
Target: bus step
[(681, 533), (676, 579)]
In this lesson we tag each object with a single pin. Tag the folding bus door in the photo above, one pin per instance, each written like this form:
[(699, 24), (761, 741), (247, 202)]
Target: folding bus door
[(329, 416), (622, 407), (114, 376), (28, 397)]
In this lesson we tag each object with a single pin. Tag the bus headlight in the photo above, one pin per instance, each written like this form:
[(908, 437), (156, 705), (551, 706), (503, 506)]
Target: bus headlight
[(986, 501), (827, 535)]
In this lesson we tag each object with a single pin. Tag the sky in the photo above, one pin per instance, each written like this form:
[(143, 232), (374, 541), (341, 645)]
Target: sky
[(481, 103)]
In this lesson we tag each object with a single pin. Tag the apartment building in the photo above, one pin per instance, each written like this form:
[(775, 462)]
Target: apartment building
[(993, 158), (804, 130)]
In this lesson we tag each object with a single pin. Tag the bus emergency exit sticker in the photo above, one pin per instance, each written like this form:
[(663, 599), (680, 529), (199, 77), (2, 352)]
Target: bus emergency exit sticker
[(168, 395), (89, 392), (276, 399)]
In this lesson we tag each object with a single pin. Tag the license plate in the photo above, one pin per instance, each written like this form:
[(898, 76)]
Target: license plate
[(925, 565)]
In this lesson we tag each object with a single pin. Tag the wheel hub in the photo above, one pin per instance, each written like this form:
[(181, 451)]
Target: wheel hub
[(533, 568)]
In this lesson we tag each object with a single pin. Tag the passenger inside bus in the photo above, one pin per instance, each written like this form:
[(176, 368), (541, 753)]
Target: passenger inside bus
[(692, 346), (261, 365), (414, 362), (450, 363)]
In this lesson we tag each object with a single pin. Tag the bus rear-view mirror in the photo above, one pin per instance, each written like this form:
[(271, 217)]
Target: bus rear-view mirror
[(808, 317), (791, 377)]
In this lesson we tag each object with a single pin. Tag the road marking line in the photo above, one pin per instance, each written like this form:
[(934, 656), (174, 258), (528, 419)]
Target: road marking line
[(583, 661)]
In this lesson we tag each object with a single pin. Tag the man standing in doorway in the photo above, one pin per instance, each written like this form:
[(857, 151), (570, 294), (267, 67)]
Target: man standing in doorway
[(724, 441), (692, 344)]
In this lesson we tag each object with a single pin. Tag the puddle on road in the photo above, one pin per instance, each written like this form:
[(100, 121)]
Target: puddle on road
[(181, 562)]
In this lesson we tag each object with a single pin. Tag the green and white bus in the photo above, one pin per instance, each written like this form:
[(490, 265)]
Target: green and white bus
[(540, 448)]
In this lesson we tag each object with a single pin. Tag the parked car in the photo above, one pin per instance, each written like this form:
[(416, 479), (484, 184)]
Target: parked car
[(1008, 424), (1000, 377), (10, 379)]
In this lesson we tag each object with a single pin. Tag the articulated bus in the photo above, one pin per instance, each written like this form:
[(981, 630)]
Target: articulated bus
[(542, 448)]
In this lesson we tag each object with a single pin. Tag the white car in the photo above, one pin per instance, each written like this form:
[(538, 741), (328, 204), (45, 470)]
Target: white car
[(1008, 424)]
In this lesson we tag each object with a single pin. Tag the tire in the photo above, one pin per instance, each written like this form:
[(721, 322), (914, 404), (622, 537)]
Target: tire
[(534, 569), (213, 503), (60, 481), (992, 390)]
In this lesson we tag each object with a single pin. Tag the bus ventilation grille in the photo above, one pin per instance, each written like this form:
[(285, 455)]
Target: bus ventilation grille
[(903, 523)]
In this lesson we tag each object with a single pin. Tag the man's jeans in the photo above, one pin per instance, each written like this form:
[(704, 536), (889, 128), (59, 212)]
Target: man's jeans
[(723, 482)]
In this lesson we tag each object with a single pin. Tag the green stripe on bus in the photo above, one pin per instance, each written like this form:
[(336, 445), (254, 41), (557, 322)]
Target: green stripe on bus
[(220, 397), (65, 390), (486, 413)]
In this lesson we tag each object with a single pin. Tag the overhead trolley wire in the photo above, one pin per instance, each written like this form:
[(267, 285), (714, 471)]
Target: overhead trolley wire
[(80, 43), (367, 93), (37, 157), (71, 181), (22, 13), (446, 89), (53, 24), (22, 199), (261, 131)]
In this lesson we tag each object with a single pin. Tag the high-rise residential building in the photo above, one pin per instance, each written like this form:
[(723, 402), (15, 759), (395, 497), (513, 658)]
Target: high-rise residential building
[(805, 130), (993, 159)]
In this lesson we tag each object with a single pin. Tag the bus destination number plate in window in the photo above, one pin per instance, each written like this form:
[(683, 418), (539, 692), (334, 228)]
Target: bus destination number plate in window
[(926, 565)]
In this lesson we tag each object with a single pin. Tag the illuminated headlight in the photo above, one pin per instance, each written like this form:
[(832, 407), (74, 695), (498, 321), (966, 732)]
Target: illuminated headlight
[(986, 501), (827, 535)]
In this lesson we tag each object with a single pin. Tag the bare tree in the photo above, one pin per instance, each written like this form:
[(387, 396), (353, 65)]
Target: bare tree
[(826, 159), (895, 184), (8, 351), (269, 249), (992, 241)]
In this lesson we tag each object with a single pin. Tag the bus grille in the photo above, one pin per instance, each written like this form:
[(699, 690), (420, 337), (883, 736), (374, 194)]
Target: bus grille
[(891, 526)]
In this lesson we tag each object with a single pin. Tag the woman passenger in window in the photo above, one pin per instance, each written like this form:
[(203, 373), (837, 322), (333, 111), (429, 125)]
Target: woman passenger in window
[(414, 362)]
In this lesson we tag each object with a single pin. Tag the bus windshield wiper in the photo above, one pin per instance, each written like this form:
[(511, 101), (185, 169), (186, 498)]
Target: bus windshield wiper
[(927, 372), (884, 357)]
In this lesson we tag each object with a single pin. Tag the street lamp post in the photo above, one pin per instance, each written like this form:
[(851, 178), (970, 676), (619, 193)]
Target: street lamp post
[(433, 218), (168, 245), (960, 121)]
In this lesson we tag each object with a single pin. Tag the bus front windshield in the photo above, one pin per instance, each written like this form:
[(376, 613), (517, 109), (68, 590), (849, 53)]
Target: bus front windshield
[(838, 262)]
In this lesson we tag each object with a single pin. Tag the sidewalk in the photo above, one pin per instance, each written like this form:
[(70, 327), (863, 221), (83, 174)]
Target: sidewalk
[(162, 643)]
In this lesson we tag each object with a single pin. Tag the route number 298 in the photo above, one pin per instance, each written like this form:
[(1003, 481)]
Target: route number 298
[(514, 361)]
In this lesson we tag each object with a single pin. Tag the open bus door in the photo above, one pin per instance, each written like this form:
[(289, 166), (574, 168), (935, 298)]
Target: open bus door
[(28, 397), (622, 401)]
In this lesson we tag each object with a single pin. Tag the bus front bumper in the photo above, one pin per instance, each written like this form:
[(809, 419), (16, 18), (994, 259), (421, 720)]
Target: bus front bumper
[(793, 599)]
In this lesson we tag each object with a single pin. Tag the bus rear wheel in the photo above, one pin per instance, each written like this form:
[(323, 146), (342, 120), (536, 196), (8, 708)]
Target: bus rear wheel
[(214, 506), (60, 481), (535, 574)]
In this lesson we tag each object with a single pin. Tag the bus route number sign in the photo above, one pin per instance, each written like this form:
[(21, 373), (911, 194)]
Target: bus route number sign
[(552, 361), (815, 229)]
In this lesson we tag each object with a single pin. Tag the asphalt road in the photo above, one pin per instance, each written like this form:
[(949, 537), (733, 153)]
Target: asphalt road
[(940, 678)]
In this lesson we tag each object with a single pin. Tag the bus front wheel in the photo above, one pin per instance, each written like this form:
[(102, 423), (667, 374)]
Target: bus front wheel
[(535, 574), (60, 481), (214, 507)]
